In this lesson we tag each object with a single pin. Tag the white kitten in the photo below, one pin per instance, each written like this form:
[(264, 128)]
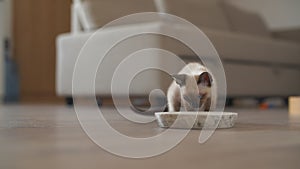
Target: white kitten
[(192, 90)]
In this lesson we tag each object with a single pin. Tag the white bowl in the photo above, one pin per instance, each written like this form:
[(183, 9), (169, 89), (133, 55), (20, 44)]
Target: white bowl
[(196, 120)]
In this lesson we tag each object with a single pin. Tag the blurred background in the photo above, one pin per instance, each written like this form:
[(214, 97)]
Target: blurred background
[(258, 41)]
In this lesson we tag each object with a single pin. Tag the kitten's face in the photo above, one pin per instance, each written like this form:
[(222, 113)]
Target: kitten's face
[(195, 90)]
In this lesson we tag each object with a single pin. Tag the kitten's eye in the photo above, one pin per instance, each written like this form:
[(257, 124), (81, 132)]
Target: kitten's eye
[(200, 96)]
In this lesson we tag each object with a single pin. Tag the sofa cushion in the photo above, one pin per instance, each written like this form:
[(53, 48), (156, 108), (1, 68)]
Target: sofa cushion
[(290, 35), (97, 13), (244, 21), (207, 13), (244, 47), (241, 47)]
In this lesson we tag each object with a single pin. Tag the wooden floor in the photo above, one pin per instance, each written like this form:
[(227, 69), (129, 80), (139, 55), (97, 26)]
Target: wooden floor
[(50, 137)]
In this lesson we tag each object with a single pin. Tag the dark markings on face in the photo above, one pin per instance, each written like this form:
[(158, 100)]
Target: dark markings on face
[(205, 79)]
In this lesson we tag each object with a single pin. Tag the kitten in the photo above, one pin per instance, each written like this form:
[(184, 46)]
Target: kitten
[(192, 90)]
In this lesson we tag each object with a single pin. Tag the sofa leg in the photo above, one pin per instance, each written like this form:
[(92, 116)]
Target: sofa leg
[(99, 101), (69, 101), (229, 101)]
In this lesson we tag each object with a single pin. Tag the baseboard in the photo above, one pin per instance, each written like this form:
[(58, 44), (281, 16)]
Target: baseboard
[(42, 99)]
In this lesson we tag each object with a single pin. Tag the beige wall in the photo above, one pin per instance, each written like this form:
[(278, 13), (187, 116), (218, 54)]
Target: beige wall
[(278, 14)]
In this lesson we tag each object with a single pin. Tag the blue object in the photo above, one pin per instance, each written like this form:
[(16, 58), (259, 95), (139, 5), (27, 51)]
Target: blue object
[(11, 77)]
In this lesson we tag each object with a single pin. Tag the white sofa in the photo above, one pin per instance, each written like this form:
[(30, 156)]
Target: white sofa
[(70, 46), (255, 63)]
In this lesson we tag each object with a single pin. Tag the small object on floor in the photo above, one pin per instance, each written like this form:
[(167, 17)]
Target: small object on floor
[(273, 102), (294, 109), (264, 106), (187, 119), (69, 101)]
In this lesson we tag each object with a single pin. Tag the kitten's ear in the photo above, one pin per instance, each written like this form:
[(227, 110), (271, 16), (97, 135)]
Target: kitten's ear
[(206, 79), (179, 79)]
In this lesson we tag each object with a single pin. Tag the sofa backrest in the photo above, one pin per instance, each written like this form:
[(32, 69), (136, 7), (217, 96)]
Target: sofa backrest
[(202, 13), (215, 14), (244, 21), (97, 13)]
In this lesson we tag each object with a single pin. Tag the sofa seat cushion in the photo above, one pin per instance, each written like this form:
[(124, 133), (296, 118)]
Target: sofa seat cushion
[(69, 47), (288, 34), (244, 47), (254, 48)]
